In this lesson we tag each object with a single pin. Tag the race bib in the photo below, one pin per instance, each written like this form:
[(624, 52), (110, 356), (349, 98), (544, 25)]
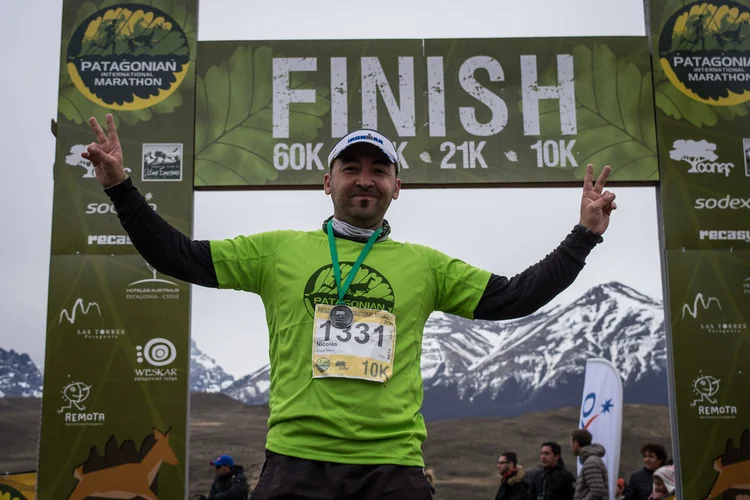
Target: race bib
[(363, 350)]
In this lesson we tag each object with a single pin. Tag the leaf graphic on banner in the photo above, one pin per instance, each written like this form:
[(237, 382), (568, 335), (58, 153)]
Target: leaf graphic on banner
[(614, 108), (616, 127), (234, 143), (679, 106), (77, 108)]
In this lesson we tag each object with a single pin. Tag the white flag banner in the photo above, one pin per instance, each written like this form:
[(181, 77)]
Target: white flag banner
[(601, 413)]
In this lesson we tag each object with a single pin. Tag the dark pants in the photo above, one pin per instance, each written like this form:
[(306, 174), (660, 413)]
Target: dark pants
[(289, 478)]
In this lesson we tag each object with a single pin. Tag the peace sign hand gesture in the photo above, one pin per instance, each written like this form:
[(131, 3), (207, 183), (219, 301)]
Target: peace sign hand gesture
[(106, 156), (596, 206)]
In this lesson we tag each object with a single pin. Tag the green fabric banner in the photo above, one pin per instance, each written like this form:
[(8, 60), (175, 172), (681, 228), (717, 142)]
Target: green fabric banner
[(701, 59), (460, 111), (116, 373)]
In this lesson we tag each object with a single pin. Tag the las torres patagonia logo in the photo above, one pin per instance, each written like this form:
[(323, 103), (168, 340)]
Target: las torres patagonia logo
[(128, 57), (704, 49)]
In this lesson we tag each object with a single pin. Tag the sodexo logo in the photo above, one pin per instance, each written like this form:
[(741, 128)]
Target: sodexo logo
[(701, 156), (109, 208), (725, 203)]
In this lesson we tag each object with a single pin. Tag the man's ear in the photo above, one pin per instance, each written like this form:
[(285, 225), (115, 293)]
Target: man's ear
[(327, 183), (398, 188)]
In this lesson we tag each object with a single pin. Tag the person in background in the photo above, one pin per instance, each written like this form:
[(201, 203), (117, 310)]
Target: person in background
[(641, 482), (620, 492), (593, 481), (230, 482), (664, 484), (554, 481), (513, 482)]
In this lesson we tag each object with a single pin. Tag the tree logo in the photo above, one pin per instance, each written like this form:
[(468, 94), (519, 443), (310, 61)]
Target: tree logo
[(128, 57), (700, 155), (369, 289), (703, 50)]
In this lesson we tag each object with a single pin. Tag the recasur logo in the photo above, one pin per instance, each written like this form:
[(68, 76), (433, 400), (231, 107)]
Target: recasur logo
[(701, 156), (152, 288), (708, 312), (109, 239), (162, 162), (86, 317), (706, 400), (158, 353), (731, 235), (75, 396)]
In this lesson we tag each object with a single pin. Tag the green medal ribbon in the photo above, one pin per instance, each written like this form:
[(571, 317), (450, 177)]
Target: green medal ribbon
[(355, 268)]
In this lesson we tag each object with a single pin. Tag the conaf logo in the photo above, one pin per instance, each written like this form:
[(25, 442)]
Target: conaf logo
[(701, 156), (128, 57), (703, 52), (368, 290)]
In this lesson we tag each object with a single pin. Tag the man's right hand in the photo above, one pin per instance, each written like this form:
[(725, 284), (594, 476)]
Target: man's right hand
[(106, 156)]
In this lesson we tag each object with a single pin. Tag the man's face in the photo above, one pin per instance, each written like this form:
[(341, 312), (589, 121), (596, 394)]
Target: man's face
[(574, 447), (362, 183), (223, 470), (503, 465), (650, 460), (548, 458)]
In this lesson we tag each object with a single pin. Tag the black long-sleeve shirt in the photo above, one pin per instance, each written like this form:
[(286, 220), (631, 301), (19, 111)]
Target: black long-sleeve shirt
[(174, 254)]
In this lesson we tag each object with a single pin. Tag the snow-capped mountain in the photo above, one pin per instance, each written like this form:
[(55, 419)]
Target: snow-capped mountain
[(205, 374), (251, 389), (19, 376), (505, 368), (537, 363)]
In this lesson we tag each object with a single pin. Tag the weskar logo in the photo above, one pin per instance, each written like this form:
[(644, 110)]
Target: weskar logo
[(369, 289), (703, 50), (128, 57), (75, 159), (701, 156), (589, 409), (708, 311), (75, 395), (157, 352), (152, 288), (86, 316), (705, 388)]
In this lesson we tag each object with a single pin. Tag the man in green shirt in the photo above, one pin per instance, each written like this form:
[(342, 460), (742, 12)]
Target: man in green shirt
[(346, 307)]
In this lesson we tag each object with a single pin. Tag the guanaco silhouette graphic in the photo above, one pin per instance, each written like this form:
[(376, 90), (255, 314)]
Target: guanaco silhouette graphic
[(128, 480), (733, 468)]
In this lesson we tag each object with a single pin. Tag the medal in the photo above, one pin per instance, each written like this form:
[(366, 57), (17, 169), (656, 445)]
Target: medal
[(341, 316)]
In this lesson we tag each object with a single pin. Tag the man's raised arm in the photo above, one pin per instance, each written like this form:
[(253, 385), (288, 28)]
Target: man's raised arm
[(163, 246), (533, 288)]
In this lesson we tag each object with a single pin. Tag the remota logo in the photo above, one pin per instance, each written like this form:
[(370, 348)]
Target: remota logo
[(109, 239), (705, 388), (728, 235), (700, 155), (128, 57), (109, 208), (724, 203), (74, 396)]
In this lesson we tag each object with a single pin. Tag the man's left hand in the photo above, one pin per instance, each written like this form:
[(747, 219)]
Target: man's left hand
[(596, 206)]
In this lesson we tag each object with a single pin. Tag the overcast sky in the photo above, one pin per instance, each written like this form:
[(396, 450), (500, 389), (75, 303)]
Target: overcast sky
[(501, 230)]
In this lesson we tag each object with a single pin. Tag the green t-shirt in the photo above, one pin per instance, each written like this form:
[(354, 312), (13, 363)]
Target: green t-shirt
[(339, 419)]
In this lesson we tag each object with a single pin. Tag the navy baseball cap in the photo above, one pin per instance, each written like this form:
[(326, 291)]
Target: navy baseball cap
[(222, 460)]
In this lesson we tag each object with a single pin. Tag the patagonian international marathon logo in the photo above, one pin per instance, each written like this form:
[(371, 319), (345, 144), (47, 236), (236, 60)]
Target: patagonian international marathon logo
[(704, 50), (128, 57), (369, 289)]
